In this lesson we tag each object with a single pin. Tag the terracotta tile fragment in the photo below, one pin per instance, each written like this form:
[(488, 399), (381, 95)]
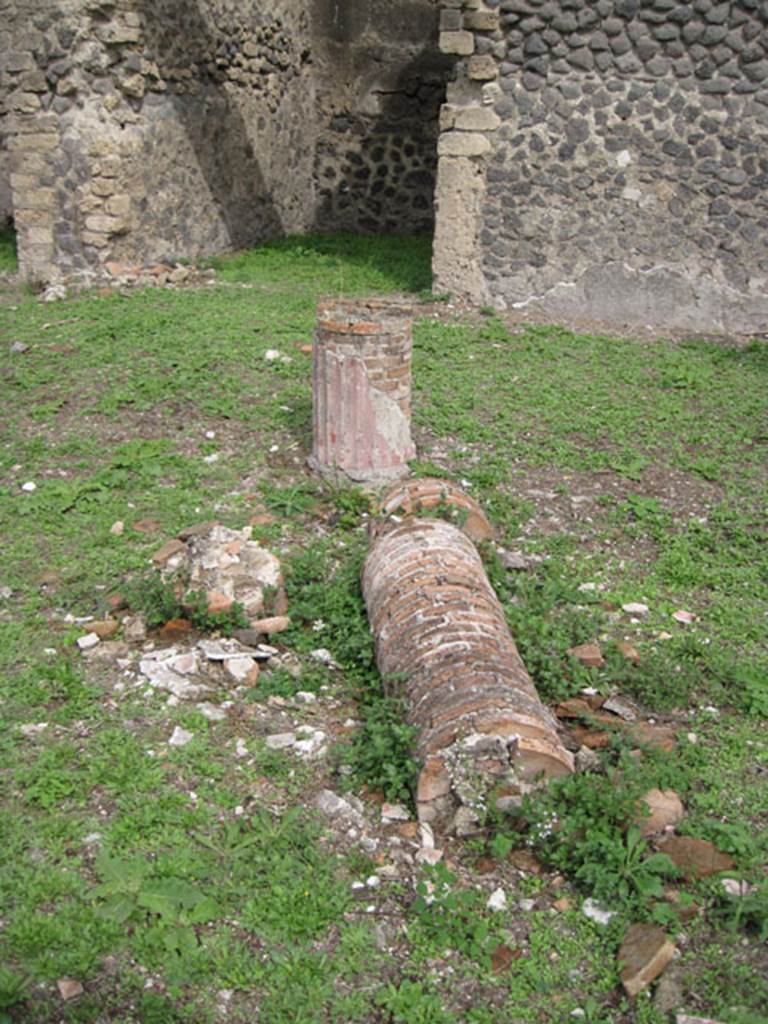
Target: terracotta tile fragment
[(695, 858), (167, 551), (644, 953), (589, 655)]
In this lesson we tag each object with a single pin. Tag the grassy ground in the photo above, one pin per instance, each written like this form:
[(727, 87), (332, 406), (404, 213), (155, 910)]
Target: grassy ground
[(197, 885), (7, 251)]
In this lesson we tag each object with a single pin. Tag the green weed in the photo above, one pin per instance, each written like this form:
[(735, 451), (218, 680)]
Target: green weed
[(580, 826), (381, 752)]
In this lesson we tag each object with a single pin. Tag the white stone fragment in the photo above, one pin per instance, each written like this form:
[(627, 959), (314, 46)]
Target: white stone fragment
[(305, 697), (497, 900), (180, 737), (429, 856), (211, 712), (32, 728), (683, 616), (87, 642), (184, 663), (635, 608), (333, 805), (239, 668), (595, 912), (427, 836), (281, 740), (393, 812), (311, 743), (29, 486), (736, 887), (324, 656)]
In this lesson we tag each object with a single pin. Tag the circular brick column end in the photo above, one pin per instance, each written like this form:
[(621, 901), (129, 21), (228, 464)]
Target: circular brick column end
[(483, 734), (432, 494), (361, 391)]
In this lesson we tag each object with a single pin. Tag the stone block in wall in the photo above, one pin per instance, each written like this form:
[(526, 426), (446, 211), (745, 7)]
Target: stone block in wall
[(39, 142), (103, 186), (468, 144), (118, 206), (481, 21), (105, 224), (116, 34), (461, 44), (450, 20), (18, 60), (95, 238), (33, 81), (476, 119), (31, 218), (447, 117), (23, 102), (42, 236), (35, 199), (482, 68)]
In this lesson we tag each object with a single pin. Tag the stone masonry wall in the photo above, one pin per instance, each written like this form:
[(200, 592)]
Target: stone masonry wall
[(140, 131), (380, 84), (608, 159), (151, 130)]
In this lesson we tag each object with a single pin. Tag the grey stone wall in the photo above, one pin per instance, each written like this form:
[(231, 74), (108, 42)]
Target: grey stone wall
[(380, 84), (610, 159)]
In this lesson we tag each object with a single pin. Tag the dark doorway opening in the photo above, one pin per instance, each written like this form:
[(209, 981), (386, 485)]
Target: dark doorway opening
[(376, 174), (381, 83), (8, 255)]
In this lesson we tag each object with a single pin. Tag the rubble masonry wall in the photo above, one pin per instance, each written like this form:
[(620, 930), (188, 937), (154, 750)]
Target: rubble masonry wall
[(148, 130), (608, 159)]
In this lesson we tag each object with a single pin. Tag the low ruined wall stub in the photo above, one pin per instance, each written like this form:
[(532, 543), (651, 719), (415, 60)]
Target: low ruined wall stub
[(628, 178), (483, 733)]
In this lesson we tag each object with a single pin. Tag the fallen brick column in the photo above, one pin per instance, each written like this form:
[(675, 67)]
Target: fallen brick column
[(439, 627), (361, 391)]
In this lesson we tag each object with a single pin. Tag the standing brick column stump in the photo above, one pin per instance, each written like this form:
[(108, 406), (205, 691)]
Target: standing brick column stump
[(361, 391), (439, 627)]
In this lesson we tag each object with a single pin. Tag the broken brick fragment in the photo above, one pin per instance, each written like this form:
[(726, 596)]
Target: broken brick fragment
[(589, 655), (695, 858), (644, 954), (167, 551)]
